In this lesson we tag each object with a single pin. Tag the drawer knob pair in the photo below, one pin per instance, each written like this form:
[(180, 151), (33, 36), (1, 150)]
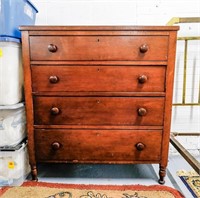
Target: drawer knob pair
[(142, 79), (55, 146), (53, 79), (52, 48), (142, 111), (144, 48), (140, 146)]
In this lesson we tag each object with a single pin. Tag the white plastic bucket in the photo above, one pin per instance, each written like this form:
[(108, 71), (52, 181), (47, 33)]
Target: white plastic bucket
[(11, 73), (14, 165), (12, 124)]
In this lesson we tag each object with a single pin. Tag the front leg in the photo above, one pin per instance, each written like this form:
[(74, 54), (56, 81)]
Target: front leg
[(162, 173), (34, 173)]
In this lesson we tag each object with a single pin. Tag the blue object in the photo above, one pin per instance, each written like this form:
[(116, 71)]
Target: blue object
[(14, 13), (9, 39)]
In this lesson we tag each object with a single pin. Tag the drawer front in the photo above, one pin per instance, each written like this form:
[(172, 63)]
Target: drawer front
[(98, 47), (97, 145), (98, 110), (98, 78)]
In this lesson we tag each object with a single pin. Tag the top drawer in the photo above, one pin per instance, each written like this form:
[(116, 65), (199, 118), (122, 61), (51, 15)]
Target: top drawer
[(99, 48)]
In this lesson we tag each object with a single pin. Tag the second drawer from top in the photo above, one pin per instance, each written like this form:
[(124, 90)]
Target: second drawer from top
[(98, 78)]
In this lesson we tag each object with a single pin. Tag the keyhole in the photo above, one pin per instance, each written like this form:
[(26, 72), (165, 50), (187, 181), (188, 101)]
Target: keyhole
[(98, 40)]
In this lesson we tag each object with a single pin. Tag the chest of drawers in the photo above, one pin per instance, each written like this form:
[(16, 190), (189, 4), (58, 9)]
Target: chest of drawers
[(98, 94)]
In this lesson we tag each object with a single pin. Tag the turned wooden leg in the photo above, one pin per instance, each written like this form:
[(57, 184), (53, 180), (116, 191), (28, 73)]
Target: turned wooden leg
[(34, 173), (162, 173)]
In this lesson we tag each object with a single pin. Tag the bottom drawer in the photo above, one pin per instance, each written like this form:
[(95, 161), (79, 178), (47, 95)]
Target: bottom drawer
[(99, 146)]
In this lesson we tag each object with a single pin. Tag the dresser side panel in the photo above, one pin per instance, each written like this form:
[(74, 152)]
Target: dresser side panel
[(28, 96), (168, 97)]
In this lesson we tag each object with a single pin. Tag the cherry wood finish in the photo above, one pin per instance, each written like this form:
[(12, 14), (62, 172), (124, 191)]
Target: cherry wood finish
[(98, 145), (74, 78), (98, 94), (98, 110), (98, 47)]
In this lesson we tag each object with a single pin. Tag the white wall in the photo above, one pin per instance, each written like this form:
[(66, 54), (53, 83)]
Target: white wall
[(113, 12), (138, 12)]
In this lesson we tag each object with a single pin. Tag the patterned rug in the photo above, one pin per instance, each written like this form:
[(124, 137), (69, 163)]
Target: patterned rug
[(191, 180), (49, 190)]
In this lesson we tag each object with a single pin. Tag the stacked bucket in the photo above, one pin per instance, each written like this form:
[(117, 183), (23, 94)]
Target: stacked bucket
[(14, 166)]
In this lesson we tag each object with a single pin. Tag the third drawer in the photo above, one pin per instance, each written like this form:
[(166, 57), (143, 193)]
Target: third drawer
[(99, 110)]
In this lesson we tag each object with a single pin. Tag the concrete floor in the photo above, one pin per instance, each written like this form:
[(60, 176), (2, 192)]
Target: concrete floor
[(144, 174)]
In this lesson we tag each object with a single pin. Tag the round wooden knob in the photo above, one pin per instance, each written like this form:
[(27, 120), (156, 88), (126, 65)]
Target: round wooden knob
[(52, 48), (142, 79), (142, 111), (144, 48), (55, 110), (140, 146), (53, 79), (55, 146)]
